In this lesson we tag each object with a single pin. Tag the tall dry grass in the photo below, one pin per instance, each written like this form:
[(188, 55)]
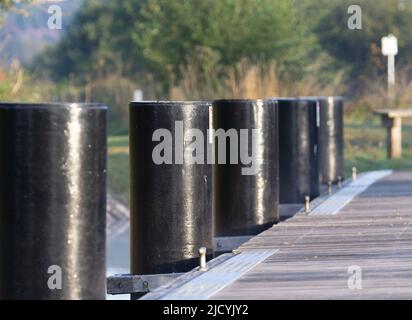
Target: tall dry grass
[(207, 81), (375, 94), (115, 91), (249, 81)]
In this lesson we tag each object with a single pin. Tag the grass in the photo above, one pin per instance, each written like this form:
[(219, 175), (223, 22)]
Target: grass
[(118, 167), (365, 149)]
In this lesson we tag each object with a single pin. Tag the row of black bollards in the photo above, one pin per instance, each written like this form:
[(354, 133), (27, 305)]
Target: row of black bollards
[(198, 170), (271, 155)]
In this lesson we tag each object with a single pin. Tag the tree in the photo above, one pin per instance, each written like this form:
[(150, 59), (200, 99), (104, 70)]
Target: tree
[(4, 6), (259, 30), (160, 37), (359, 50), (7, 4)]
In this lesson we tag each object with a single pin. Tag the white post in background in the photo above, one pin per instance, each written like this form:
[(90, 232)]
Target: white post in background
[(390, 49), (138, 95), (391, 70)]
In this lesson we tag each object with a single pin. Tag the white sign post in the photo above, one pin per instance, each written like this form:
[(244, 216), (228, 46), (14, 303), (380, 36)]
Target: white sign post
[(138, 95), (390, 49)]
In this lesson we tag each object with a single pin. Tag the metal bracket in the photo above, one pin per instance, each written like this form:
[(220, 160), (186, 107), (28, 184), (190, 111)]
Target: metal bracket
[(128, 284), (207, 284)]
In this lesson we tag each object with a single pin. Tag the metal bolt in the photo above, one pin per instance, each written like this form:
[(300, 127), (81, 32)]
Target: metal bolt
[(307, 204), (354, 173), (145, 285), (330, 189), (202, 253), (340, 182)]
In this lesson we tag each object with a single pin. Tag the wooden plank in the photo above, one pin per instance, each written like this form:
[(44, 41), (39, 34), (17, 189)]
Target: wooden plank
[(394, 112), (374, 232)]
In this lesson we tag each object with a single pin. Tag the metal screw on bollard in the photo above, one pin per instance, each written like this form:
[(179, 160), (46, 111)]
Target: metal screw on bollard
[(339, 182), (146, 286), (354, 173), (330, 189), (307, 204), (202, 253)]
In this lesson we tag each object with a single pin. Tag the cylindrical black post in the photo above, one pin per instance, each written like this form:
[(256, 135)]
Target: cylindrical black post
[(331, 139), (246, 170), (298, 150), (52, 201), (171, 186)]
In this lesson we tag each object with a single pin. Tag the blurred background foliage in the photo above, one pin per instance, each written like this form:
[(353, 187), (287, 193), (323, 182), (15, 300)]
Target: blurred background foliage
[(202, 49), (206, 49)]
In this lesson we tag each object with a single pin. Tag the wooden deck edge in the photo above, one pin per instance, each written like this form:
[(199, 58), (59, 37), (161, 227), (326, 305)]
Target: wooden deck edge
[(336, 202)]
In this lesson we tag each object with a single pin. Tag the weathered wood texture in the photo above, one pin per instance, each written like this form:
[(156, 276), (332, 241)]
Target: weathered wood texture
[(392, 121), (394, 113), (373, 232)]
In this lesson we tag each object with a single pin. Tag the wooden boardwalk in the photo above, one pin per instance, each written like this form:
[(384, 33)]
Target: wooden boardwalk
[(364, 251)]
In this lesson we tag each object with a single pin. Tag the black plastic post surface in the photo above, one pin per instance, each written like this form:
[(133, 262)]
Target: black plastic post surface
[(331, 139), (298, 150), (171, 204), (52, 201), (247, 204)]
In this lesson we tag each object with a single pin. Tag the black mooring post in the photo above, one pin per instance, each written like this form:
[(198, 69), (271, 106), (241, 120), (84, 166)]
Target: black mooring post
[(298, 150), (52, 201), (171, 186), (331, 139), (246, 190)]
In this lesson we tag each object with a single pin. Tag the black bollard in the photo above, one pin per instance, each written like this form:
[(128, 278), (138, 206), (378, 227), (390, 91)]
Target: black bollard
[(171, 186), (246, 197), (331, 140), (298, 150), (52, 201)]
